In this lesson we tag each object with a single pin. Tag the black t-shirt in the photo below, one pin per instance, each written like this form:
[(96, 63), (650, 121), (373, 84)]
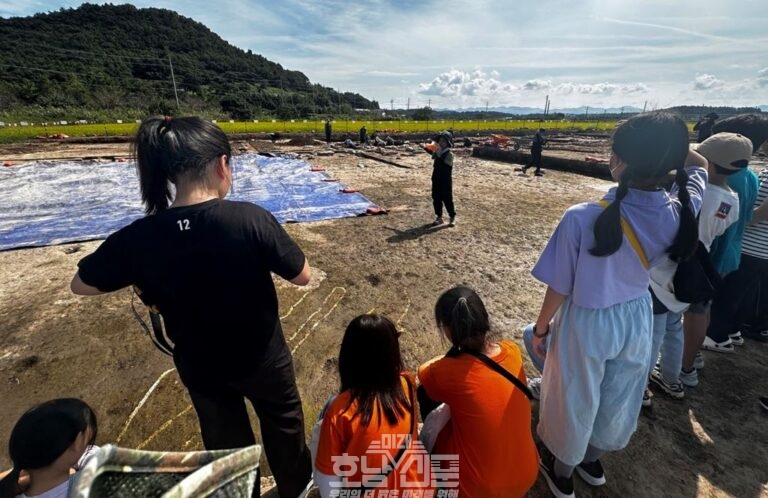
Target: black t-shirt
[(207, 269)]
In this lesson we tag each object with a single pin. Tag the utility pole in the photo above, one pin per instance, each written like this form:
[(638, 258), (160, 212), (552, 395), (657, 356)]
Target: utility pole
[(429, 103), (408, 105), (645, 105), (392, 105), (546, 105), (486, 107), (173, 78)]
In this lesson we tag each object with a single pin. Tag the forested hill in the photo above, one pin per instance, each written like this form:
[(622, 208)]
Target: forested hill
[(114, 60)]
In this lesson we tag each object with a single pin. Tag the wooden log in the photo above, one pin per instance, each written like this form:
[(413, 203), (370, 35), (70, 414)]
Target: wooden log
[(597, 170), (381, 159)]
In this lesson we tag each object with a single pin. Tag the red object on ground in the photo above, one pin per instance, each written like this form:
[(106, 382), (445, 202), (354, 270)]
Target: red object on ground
[(8, 164), (593, 159), (500, 139), (371, 211), (348, 190), (315, 170)]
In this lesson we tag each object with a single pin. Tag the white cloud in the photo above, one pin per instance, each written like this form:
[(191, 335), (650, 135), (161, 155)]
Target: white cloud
[(568, 88), (762, 77), (707, 82), (455, 83)]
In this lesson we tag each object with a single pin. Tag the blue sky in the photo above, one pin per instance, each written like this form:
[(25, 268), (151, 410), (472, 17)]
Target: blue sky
[(460, 54)]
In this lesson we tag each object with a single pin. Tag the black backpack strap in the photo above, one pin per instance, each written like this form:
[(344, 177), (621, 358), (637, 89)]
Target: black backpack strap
[(498, 368), (157, 334)]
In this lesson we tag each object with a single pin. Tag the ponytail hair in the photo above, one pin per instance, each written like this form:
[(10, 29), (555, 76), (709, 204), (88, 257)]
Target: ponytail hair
[(608, 232), (463, 313), (43, 434), (167, 149), (9, 485), (650, 145)]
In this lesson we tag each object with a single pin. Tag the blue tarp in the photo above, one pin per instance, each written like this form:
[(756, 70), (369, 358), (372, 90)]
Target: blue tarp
[(48, 203)]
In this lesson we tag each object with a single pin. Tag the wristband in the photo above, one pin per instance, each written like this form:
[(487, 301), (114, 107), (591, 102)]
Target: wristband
[(540, 336)]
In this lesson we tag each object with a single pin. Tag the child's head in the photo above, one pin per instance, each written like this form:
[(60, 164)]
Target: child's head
[(726, 152), (650, 145), (370, 354), (444, 139), (45, 433), (752, 126), (370, 365), (186, 150), (462, 317), (645, 148)]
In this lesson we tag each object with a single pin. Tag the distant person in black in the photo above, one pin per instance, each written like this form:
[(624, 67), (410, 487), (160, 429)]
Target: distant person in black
[(442, 181), (363, 135), (328, 129), (704, 126), (536, 146), (205, 263)]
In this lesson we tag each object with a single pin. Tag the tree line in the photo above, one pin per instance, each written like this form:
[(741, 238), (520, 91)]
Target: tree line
[(115, 61)]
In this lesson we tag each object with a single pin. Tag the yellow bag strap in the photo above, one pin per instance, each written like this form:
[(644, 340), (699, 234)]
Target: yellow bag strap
[(633, 241)]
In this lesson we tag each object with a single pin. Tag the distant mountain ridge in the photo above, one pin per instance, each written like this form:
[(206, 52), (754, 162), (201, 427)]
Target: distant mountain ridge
[(522, 111), (106, 57)]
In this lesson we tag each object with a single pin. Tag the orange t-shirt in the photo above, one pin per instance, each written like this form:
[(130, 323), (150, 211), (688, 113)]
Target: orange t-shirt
[(490, 426), (342, 433)]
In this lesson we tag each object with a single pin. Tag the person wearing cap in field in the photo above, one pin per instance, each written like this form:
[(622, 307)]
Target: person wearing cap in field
[(704, 126), (442, 182), (727, 154), (536, 147)]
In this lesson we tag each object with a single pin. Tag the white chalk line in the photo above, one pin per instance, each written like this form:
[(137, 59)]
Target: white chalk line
[(315, 325), (407, 308), (163, 427), (290, 310), (141, 403)]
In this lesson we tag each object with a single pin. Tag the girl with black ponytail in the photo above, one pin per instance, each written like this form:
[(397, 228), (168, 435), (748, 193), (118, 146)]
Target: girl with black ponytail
[(594, 327), (48, 443), (206, 264), (487, 404)]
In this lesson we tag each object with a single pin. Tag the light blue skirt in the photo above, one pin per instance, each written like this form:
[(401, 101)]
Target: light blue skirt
[(595, 372)]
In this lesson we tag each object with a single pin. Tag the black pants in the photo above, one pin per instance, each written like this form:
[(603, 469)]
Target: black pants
[(535, 160), (275, 398), (442, 193), (742, 299)]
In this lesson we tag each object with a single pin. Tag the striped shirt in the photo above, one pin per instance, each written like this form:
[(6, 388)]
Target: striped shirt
[(755, 241)]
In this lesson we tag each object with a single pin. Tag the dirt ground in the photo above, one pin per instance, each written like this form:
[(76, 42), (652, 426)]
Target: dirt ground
[(54, 344)]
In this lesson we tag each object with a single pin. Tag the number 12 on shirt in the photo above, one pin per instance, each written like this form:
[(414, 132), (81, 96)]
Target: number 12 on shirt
[(183, 224)]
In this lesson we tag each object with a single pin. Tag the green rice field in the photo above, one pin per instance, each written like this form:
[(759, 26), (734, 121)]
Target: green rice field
[(35, 130)]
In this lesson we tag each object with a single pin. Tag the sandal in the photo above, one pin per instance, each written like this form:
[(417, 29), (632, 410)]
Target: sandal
[(720, 347)]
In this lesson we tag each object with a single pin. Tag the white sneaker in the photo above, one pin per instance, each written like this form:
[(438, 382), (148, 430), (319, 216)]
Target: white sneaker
[(690, 379), (736, 339), (452, 223), (534, 384), (698, 361), (647, 398), (719, 347)]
